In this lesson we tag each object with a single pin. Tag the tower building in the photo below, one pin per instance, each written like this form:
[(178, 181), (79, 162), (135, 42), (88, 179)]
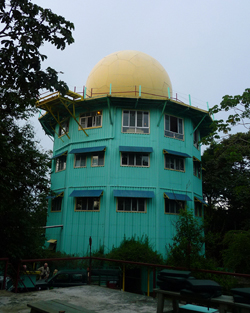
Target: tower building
[(126, 156)]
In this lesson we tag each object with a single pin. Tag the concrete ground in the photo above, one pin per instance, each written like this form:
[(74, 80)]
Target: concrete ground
[(95, 298)]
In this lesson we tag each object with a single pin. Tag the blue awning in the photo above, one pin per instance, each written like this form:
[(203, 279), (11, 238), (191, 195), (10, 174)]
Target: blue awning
[(86, 193), (176, 196), (198, 199), (88, 150), (60, 154), (135, 149), (181, 154), (134, 194), (58, 194)]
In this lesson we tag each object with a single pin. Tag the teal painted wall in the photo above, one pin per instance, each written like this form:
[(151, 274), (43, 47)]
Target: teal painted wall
[(108, 227)]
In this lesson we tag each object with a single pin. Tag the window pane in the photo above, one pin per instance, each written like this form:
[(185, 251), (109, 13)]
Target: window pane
[(83, 122), (139, 119), (167, 122), (127, 204), (138, 160), (77, 160), (131, 159), (120, 204), (124, 159), (145, 160), (132, 118), (167, 162), (95, 160), (90, 204), (98, 120), (145, 120), (101, 159), (134, 204), (125, 118), (96, 204), (83, 161), (180, 126), (173, 124), (89, 121), (141, 205)]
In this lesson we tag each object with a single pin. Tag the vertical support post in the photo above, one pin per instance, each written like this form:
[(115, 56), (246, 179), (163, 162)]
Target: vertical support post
[(110, 88), (154, 281), (84, 92), (148, 293), (17, 277), (169, 95), (140, 91), (123, 278), (189, 100)]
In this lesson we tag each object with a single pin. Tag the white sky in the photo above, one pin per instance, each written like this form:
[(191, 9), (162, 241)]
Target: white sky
[(203, 44)]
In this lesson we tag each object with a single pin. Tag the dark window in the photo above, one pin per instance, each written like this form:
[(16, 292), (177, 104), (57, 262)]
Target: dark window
[(61, 163), (135, 159), (88, 204), (196, 138), (91, 119), (197, 168), (131, 204), (174, 127), (98, 159), (56, 204), (198, 209), (174, 163), (64, 128), (80, 160), (174, 206)]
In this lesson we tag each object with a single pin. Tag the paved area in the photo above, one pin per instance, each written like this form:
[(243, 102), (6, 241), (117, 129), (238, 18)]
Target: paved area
[(95, 298)]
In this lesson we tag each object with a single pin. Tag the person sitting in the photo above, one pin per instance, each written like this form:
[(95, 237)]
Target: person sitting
[(44, 271)]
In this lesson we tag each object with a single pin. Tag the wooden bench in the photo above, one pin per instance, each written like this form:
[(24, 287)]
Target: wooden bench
[(56, 306), (223, 303)]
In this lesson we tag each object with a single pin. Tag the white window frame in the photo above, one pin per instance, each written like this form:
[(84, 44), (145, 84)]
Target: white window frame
[(174, 163), (61, 163), (136, 128), (64, 129), (98, 159), (92, 204), (91, 119), (173, 205), (82, 159), (132, 157), (169, 127), (131, 205)]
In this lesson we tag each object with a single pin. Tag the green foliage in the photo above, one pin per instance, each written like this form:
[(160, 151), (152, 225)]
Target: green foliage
[(238, 108), (187, 244), (236, 255), (136, 250), (25, 27)]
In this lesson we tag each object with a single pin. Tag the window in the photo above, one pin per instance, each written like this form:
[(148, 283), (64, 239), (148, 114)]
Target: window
[(174, 127), (174, 206), (91, 119), (88, 204), (131, 204), (174, 163), (196, 138), (197, 168), (80, 160), (64, 128), (135, 122), (135, 159), (61, 163), (97, 159), (198, 209), (56, 204)]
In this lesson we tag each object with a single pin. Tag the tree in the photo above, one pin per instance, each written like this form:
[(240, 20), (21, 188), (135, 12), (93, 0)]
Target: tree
[(226, 182), (25, 27), (186, 249), (238, 108)]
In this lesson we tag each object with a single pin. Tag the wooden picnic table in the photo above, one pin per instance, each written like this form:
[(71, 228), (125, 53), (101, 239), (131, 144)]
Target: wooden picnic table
[(222, 303), (56, 306)]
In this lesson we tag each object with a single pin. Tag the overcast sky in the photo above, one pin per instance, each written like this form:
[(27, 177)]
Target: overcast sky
[(203, 44)]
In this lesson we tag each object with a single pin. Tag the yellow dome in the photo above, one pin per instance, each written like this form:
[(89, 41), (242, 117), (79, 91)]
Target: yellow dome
[(126, 71)]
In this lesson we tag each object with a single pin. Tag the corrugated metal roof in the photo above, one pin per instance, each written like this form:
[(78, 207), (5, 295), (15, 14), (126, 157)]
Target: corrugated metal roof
[(184, 155), (134, 193), (176, 196), (87, 150), (86, 193), (135, 149)]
